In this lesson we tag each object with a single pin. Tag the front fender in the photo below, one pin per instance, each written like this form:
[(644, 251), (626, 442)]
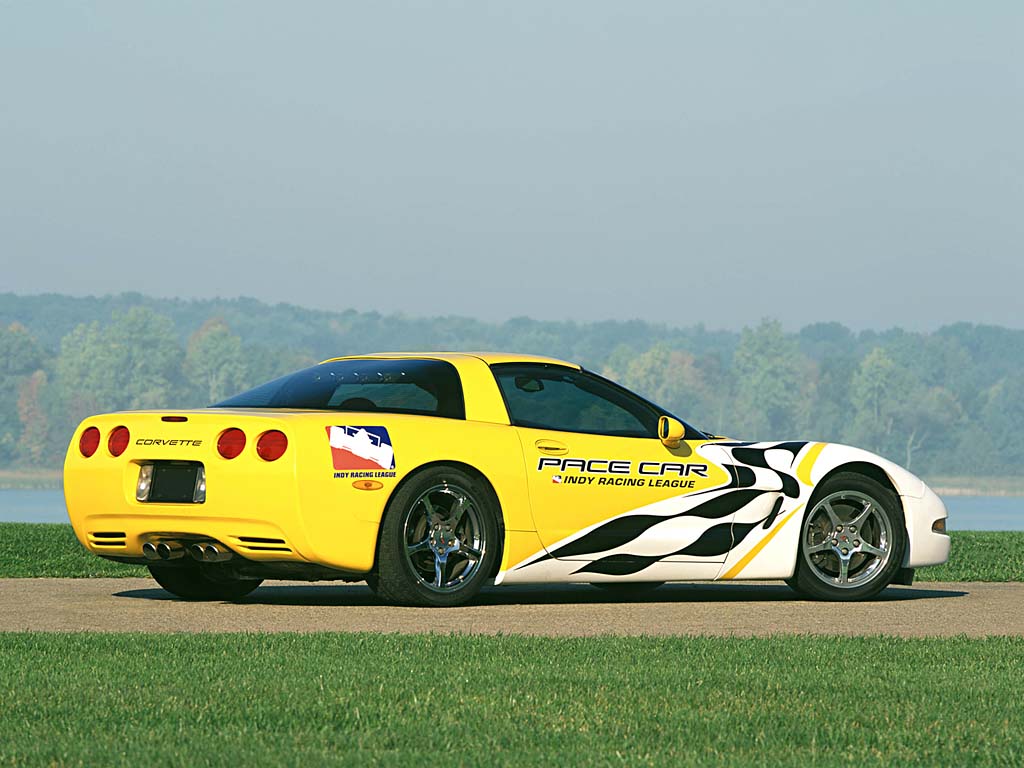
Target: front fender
[(922, 508), (833, 455)]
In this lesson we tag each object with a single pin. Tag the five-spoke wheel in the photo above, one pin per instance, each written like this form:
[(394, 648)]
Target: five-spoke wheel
[(852, 540), (445, 540), (439, 541), (847, 538)]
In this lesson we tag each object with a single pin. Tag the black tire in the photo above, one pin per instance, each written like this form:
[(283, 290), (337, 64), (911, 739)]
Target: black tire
[(847, 493), (401, 575), (627, 588), (192, 583)]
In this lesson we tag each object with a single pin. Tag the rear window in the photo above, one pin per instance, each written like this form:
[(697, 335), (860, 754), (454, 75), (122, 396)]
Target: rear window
[(424, 387)]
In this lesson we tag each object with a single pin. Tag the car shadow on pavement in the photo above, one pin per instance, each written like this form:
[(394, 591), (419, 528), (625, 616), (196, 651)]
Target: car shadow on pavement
[(559, 594)]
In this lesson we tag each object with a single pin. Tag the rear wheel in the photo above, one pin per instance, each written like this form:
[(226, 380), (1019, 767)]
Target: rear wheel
[(193, 583), (439, 541), (851, 542)]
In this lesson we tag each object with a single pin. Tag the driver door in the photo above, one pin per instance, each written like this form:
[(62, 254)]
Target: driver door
[(602, 484)]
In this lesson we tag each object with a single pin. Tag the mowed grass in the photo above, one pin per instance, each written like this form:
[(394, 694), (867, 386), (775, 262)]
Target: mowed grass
[(36, 550), (980, 556), (51, 550), (212, 700)]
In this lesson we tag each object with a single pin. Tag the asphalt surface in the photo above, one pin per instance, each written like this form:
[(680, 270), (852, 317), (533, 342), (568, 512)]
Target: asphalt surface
[(750, 609)]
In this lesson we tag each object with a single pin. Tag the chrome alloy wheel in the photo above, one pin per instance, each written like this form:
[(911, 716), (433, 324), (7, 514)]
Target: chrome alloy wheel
[(847, 539), (444, 537)]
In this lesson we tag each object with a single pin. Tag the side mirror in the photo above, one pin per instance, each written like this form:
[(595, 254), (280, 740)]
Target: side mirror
[(671, 431)]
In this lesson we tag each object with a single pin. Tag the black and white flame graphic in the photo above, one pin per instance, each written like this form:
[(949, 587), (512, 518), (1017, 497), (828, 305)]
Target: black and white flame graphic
[(751, 477)]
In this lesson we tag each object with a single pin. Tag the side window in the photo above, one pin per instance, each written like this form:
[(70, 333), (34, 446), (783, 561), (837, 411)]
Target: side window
[(568, 400)]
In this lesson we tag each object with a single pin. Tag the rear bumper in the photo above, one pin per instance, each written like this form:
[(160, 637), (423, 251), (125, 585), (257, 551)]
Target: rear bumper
[(924, 545), (261, 517), (123, 534)]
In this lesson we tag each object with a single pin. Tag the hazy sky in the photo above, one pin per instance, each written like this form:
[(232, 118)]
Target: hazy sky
[(672, 161)]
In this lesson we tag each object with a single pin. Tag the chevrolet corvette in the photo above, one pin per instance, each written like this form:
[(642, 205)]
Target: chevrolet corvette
[(430, 475)]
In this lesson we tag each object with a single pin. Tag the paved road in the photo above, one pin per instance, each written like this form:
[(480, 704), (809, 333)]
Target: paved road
[(123, 605)]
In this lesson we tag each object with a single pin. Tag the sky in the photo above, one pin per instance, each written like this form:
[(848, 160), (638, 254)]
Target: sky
[(676, 162)]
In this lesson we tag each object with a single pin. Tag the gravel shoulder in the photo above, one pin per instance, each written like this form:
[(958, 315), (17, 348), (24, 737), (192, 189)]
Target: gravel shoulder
[(973, 609)]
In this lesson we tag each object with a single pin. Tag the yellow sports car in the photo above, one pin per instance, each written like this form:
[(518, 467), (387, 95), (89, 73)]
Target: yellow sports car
[(428, 475)]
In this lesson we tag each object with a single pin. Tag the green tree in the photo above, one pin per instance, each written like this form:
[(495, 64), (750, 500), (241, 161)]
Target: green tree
[(898, 415), (20, 358), (960, 384), (214, 363), (134, 363), (1002, 422), (829, 414), (773, 383), (34, 442)]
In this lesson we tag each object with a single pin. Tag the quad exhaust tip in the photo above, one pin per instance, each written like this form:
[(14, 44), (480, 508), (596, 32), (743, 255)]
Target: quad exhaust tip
[(202, 551), (210, 552), (169, 550)]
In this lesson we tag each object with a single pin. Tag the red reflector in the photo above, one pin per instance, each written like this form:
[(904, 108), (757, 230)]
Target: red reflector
[(231, 443), (89, 442), (118, 440), (174, 418), (271, 445)]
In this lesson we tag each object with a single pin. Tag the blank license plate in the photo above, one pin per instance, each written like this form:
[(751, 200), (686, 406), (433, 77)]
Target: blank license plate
[(174, 482)]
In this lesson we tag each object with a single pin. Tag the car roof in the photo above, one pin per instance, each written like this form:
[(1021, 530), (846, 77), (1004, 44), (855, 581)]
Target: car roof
[(490, 358)]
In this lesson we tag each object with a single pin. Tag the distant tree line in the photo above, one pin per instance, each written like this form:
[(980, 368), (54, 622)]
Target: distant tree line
[(948, 402)]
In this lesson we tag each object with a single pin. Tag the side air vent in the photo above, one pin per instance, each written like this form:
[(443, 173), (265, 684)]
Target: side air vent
[(111, 539), (261, 544)]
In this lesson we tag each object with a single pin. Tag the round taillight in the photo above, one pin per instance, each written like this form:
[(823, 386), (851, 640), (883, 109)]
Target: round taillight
[(231, 443), (89, 442), (271, 445), (118, 441)]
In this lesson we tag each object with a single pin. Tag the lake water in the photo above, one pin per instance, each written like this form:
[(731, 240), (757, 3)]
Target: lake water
[(966, 513)]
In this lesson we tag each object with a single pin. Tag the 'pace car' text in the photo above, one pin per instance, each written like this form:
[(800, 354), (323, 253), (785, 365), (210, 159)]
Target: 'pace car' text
[(622, 467), (615, 471)]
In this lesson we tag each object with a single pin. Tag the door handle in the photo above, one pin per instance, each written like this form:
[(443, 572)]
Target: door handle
[(552, 447)]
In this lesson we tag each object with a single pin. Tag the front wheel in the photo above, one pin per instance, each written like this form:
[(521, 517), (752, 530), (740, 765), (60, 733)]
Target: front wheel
[(191, 583), (852, 540), (439, 540)]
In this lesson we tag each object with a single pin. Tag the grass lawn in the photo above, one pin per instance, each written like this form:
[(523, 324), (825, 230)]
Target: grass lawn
[(88, 699), (51, 550), (981, 556)]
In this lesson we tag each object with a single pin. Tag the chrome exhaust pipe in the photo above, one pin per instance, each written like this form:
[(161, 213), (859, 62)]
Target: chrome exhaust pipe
[(149, 551), (210, 552), (169, 550), (217, 553)]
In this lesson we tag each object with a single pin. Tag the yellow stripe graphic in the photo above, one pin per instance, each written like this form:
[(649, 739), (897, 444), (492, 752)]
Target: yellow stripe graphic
[(804, 470), (733, 572)]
